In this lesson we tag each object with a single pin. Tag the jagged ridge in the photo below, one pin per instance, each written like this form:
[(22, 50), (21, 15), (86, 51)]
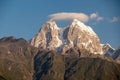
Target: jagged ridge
[(77, 34)]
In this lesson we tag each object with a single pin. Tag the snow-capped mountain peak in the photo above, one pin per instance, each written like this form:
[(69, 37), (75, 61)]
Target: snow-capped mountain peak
[(77, 34), (80, 25), (50, 25), (108, 50)]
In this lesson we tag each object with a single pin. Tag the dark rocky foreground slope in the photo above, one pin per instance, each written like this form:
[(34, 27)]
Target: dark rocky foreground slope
[(52, 66), (21, 61), (16, 59)]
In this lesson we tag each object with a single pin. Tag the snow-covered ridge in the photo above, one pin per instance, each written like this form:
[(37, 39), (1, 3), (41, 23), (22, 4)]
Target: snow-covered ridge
[(50, 25), (82, 26), (77, 34)]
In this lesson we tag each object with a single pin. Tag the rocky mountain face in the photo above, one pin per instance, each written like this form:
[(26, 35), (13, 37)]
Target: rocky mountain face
[(21, 61), (16, 59), (77, 34), (116, 55), (118, 59), (40, 59), (52, 66), (108, 50), (111, 52)]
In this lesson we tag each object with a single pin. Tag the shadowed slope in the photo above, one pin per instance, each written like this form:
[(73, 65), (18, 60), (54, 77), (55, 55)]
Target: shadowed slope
[(16, 59), (52, 66)]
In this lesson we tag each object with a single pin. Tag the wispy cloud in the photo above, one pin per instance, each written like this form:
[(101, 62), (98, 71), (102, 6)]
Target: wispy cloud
[(69, 16), (96, 17), (93, 15), (80, 16), (115, 19)]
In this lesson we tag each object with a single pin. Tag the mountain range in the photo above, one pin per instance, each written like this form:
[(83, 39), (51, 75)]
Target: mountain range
[(54, 53)]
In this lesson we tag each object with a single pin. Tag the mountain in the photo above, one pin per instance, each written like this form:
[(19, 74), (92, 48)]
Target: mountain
[(52, 66), (70, 53), (116, 55), (16, 59), (118, 59), (111, 52), (77, 34), (47, 36), (108, 50), (21, 61)]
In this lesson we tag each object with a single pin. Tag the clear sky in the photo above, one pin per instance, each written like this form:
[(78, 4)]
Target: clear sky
[(23, 18)]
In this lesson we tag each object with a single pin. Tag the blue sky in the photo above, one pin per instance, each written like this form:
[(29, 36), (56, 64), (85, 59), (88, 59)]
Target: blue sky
[(23, 18)]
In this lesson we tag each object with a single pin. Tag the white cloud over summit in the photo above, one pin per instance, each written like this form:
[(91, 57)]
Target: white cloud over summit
[(69, 16), (80, 16)]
